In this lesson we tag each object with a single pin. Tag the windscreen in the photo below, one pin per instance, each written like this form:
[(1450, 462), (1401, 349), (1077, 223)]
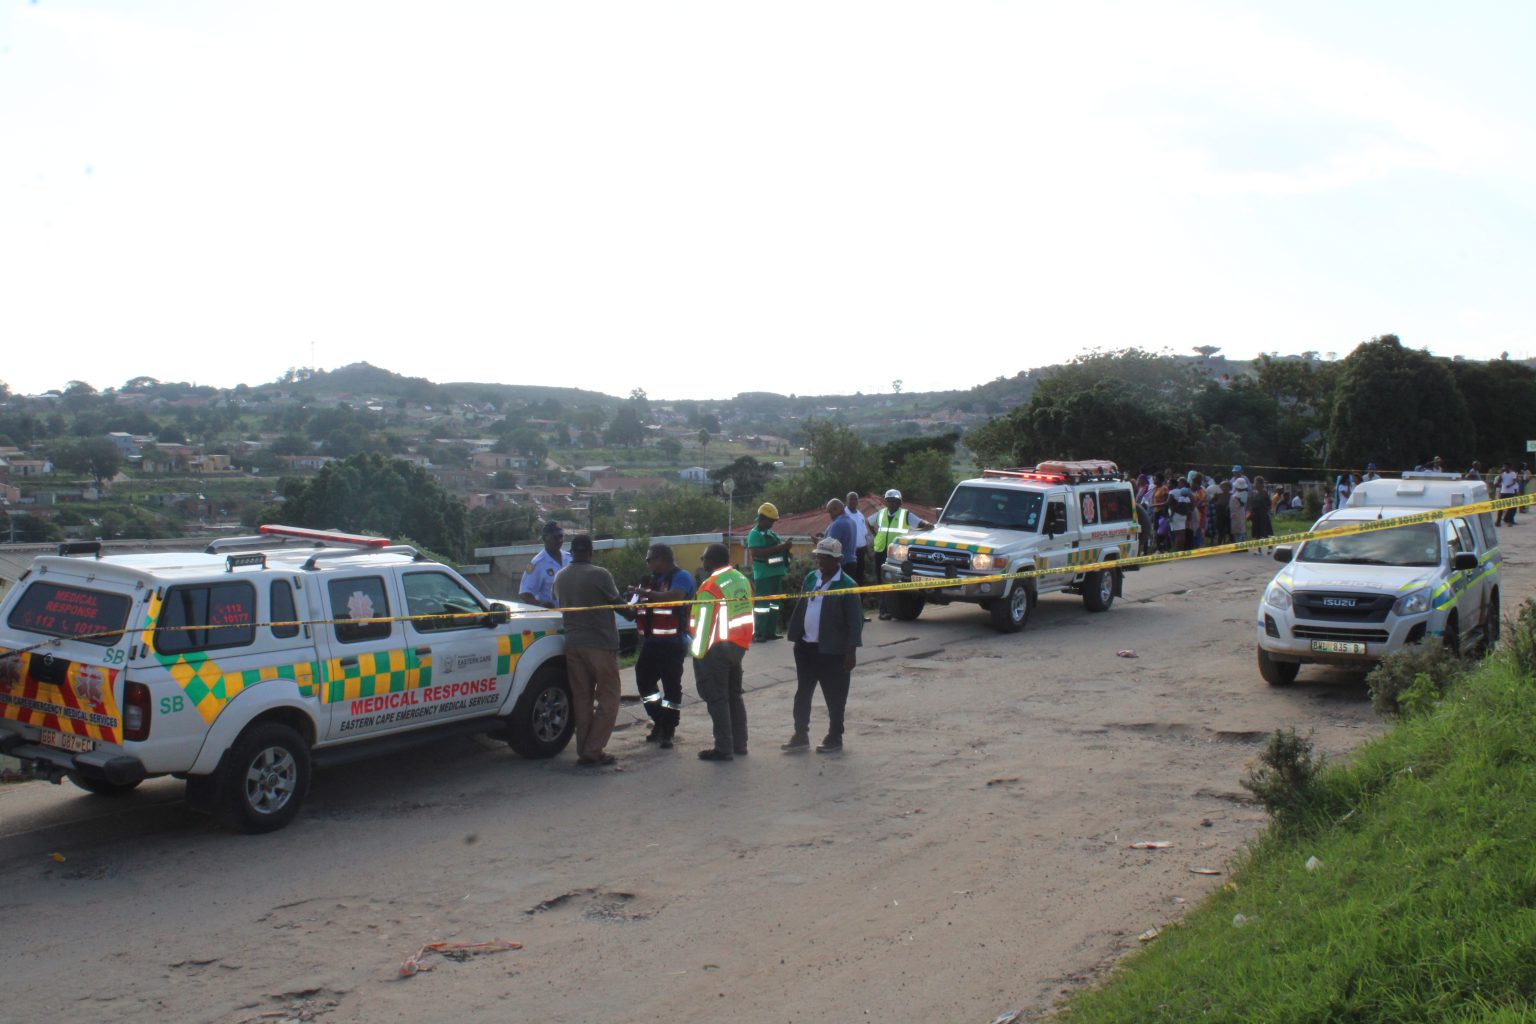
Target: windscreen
[(53, 609), (1416, 545), (998, 508)]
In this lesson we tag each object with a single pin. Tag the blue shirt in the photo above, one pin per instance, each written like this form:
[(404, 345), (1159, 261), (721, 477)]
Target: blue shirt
[(539, 578), (845, 533)]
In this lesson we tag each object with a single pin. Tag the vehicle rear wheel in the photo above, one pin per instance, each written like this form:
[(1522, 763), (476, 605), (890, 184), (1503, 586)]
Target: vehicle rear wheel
[(541, 723), (906, 605), (101, 787), (1099, 590), (1277, 673), (265, 780), (1010, 613)]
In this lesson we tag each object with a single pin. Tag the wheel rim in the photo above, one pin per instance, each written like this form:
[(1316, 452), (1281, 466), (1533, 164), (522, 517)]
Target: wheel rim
[(1106, 587), (270, 780), (551, 710), (1018, 605)]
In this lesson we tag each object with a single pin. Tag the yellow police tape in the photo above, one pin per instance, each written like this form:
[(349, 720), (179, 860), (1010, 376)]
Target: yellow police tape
[(925, 583)]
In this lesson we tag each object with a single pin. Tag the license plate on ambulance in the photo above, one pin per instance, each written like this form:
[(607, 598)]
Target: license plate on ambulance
[(66, 741), (1337, 647)]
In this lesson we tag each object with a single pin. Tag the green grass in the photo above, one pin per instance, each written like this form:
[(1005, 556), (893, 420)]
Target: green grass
[(1424, 908)]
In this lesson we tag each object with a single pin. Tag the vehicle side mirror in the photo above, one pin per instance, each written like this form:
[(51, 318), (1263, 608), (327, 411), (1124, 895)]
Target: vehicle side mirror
[(1283, 553), (1464, 561), (497, 617), (1057, 523)]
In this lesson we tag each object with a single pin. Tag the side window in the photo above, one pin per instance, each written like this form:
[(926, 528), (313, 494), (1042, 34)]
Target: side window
[(360, 597), (206, 618), (437, 594), (1490, 534), (283, 610), (1056, 512), (1116, 506), (1463, 536)]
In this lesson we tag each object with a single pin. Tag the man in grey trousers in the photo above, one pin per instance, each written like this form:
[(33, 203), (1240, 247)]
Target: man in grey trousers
[(826, 628)]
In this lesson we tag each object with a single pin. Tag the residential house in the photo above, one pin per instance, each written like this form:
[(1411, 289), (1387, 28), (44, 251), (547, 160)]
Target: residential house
[(589, 473), (493, 462), (695, 475)]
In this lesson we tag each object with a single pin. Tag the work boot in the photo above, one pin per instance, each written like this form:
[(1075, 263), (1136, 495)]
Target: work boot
[(798, 743), (666, 738), (712, 754), (654, 736), (830, 745)]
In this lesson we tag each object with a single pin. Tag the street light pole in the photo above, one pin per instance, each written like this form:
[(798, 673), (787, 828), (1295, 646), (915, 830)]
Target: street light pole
[(728, 485)]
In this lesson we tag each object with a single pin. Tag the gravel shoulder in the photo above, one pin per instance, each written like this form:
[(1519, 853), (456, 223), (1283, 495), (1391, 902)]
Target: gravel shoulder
[(967, 853)]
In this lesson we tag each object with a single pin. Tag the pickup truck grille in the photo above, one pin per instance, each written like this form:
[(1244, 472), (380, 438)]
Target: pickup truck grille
[(929, 557), (1369, 636), (1329, 606)]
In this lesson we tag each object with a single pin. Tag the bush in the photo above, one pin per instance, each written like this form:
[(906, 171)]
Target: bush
[(1284, 779), (1412, 681), (1520, 641)]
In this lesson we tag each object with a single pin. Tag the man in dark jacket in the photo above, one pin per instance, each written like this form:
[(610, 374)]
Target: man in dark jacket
[(826, 629)]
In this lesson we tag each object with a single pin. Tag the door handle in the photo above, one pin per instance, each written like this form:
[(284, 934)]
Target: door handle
[(422, 652), (349, 662)]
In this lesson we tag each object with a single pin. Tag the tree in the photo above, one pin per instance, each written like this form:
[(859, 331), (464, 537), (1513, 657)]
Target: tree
[(93, 456), (681, 510), (625, 430), (925, 477), (703, 438), (1398, 407), (375, 493), (750, 475), (671, 449), (1500, 396)]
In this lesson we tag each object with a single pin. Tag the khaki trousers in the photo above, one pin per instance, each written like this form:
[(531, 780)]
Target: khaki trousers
[(594, 678)]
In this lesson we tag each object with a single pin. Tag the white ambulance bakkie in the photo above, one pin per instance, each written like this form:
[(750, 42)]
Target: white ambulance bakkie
[(1056, 515), (1353, 600), (242, 667)]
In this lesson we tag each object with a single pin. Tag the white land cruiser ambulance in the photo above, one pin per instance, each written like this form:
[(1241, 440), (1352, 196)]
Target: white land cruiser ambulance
[(257, 670), (1057, 514), (1352, 600)]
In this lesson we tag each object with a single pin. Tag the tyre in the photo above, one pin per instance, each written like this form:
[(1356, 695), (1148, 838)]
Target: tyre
[(1277, 673), (101, 787), (1099, 590), (264, 779), (1452, 635), (541, 723), (906, 605), (1010, 613)]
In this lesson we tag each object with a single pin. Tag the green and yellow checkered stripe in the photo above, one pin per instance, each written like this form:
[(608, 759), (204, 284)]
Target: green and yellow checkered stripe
[(975, 549)]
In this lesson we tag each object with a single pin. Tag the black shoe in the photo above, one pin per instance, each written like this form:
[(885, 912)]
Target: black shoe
[(654, 736), (715, 755), (742, 752), (798, 743), (830, 745), (666, 739)]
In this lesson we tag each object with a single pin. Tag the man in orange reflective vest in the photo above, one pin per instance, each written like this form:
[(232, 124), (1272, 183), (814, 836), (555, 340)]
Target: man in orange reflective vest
[(664, 643), (721, 625)]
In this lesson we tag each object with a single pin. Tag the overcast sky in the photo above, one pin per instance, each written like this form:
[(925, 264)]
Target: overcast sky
[(705, 198)]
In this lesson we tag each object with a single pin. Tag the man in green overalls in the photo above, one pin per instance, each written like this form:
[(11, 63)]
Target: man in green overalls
[(770, 565)]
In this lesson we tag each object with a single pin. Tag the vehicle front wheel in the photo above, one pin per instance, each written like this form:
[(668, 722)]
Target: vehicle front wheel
[(906, 605), (1452, 635), (1492, 624), (101, 787), (1277, 673), (265, 779), (541, 722), (1099, 590), (1010, 613)]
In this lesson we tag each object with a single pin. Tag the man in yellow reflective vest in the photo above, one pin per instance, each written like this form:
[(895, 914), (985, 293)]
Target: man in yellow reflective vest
[(889, 523), (769, 556), (721, 625)]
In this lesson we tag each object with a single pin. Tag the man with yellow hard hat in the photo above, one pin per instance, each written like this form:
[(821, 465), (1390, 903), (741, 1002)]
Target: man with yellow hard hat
[(770, 565)]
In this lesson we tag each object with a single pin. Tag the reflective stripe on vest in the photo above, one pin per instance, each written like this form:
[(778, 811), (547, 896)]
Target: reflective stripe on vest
[(889, 527), (727, 617)]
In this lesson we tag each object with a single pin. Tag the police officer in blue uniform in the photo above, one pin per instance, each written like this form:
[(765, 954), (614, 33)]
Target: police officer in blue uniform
[(538, 586)]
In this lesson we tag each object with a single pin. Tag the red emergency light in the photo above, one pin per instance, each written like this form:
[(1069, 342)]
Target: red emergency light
[(324, 536), (1024, 474)]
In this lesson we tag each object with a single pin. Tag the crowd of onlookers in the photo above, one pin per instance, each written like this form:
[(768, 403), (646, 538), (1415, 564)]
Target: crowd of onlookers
[(1196, 509), (1178, 513)]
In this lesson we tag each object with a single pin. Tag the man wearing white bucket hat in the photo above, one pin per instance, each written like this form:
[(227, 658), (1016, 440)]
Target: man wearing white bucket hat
[(827, 629)]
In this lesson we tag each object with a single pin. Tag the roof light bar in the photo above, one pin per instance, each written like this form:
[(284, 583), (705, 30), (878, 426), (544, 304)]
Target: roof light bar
[(324, 536)]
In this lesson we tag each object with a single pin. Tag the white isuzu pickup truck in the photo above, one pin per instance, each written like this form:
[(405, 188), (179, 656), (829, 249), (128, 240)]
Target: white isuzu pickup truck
[(1354, 599)]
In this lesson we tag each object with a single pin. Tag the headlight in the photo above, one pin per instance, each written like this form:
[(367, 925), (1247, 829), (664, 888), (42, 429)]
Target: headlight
[(1414, 603), (982, 563), (1278, 597), (898, 552)]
